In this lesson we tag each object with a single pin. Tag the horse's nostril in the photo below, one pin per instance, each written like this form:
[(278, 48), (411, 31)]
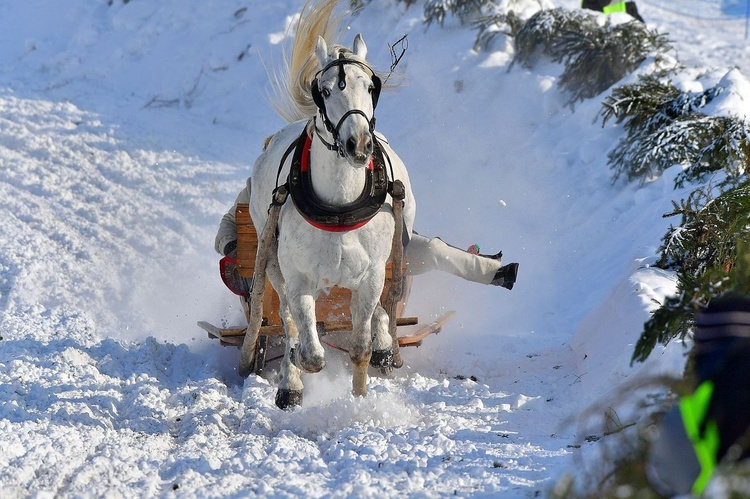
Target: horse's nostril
[(351, 146), (368, 145)]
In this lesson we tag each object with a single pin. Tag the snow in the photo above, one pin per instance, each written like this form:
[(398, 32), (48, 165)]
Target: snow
[(126, 131)]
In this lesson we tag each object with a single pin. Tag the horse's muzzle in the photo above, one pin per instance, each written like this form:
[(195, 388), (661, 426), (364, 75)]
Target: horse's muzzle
[(360, 148)]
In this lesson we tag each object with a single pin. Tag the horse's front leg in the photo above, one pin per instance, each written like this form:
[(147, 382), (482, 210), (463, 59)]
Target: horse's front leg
[(365, 313), (308, 353), (289, 393)]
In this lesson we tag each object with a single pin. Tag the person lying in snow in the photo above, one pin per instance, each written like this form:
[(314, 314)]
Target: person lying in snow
[(610, 6), (422, 254)]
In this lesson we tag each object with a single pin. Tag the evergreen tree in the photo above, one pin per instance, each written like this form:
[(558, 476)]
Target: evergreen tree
[(465, 10), (490, 27), (666, 127), (710, 251), (595, 56)]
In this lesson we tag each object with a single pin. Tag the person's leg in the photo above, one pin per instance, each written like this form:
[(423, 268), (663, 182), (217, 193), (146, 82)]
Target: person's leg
[(424, 254)]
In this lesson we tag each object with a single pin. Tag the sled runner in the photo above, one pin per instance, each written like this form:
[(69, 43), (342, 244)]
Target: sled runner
[(332, 308)]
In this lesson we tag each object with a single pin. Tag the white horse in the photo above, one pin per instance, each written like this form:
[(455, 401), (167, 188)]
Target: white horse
[(334, 232)]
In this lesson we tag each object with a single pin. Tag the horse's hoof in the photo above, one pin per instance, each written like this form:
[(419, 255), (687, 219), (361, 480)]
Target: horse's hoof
[(288, 399), (381, 358)]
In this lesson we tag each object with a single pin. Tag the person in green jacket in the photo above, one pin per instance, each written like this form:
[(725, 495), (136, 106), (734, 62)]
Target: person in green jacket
[(610, 6)]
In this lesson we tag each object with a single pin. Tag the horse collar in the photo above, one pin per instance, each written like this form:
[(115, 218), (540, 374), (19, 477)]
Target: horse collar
[(336, 218)]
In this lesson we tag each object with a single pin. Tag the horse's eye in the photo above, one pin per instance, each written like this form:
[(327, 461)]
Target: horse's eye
[(370, 88), (326, 92)]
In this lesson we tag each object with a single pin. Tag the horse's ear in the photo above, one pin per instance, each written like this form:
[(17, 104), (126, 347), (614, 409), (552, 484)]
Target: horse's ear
[(359, 48), (321, 50)]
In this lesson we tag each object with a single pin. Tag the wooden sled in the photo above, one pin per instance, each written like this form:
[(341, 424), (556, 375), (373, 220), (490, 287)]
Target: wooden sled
[(332, 307)]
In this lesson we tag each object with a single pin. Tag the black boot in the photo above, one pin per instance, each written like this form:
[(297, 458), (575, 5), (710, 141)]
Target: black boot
[(506, 276)]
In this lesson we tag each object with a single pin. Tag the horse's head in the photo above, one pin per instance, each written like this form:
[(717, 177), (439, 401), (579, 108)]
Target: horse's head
[(346, 92)]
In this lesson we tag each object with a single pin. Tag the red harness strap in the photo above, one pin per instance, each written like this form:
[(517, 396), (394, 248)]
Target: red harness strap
[(337, 228)]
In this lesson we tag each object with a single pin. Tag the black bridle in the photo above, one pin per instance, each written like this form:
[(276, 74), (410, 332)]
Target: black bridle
[(319, 100)]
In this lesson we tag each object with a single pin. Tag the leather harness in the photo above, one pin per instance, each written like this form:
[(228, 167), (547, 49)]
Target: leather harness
[(336, 218)]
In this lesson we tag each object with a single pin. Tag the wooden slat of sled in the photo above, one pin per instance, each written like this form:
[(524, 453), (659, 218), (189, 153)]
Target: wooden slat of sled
[(247, 241), (235, 335), (415, 339), (221, 334), (330, 327)]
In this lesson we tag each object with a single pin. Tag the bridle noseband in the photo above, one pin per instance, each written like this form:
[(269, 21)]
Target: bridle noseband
[(337, 146)]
